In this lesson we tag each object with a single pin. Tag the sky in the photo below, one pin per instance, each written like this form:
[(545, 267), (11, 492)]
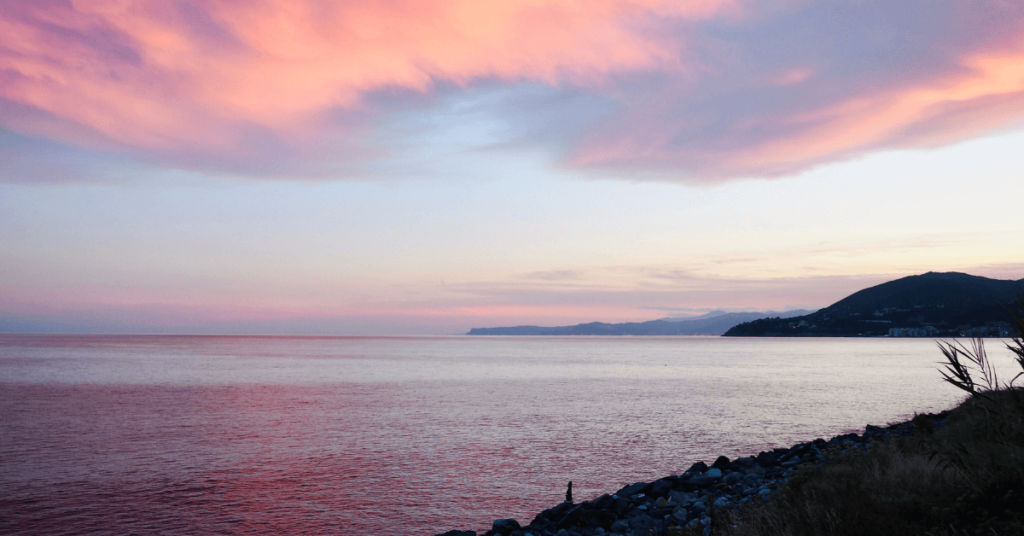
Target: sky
[(421, 167)]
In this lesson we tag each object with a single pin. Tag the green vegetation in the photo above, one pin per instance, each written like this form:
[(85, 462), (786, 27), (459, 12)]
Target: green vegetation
[(963, 478), (928, 305)]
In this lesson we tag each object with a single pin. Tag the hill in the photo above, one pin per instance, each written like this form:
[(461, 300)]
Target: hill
[(713, 323), (929, 305)]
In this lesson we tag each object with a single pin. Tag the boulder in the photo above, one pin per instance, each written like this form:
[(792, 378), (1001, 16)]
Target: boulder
[(572, 518), (504, 526), (633, 489), (660, 513), (645, 524), (603, 502), (680, 498), (791, 462), (620, 506), (599, 519), (698, 467), (660, 488), (722, 462), (708, 478)]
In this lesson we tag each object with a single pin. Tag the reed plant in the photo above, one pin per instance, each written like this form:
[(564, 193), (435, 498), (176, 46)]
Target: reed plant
[(963, 478)]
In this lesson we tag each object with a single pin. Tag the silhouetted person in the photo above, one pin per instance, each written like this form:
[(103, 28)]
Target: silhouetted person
[(568, 493)]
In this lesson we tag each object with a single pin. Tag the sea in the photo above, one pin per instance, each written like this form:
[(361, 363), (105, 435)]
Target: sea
[(184, 435)]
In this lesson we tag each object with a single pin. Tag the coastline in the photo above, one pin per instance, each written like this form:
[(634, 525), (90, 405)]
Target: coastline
[(695, 500)]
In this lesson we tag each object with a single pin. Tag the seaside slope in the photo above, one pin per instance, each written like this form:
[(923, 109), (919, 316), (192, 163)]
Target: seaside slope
[(960, 472), (954, 473), (934, 304)]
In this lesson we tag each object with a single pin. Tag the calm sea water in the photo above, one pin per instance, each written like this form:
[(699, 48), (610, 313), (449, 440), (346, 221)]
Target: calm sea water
[(350, 435)]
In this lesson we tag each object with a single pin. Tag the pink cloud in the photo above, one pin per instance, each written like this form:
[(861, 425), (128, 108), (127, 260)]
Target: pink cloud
[(158, 76), (699, 90), (986, 95), (747, 117)]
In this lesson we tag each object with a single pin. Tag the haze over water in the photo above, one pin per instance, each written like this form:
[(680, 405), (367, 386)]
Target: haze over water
[(354, 435)]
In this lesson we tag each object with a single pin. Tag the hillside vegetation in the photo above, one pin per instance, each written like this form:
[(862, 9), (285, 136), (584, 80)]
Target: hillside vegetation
[(929, 305)]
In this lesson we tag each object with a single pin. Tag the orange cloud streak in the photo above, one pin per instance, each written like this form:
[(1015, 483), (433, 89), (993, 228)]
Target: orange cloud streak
[(142, 74), (878, 118), (985, 94)]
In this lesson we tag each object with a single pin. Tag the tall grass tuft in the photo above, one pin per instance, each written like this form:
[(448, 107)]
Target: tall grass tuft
[(960, 360), (1017, 344)]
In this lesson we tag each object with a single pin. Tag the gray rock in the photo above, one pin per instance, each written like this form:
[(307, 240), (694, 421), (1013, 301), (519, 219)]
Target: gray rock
[(619, 526), (633, 489), (732, 478), (644, 524), (603, 502), (680, 498), (636, 512), (562, 532), (660, 488), (505, 526), (711, 476), (620, 506), (698, 467)]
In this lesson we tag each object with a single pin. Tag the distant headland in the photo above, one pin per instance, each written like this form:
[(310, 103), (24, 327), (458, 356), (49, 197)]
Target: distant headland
[(713, 323)]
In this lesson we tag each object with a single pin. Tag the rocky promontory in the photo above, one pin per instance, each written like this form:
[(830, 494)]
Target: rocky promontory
[(694, 500)]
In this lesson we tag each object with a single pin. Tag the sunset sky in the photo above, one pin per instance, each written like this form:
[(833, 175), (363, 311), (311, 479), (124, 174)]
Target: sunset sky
[(428, 166)]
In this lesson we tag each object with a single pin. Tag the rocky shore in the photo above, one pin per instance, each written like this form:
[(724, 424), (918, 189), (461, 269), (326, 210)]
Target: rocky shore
[(692, 499)]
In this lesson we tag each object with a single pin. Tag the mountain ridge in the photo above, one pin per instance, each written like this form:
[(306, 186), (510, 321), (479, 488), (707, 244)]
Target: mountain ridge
[(930, 304)]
